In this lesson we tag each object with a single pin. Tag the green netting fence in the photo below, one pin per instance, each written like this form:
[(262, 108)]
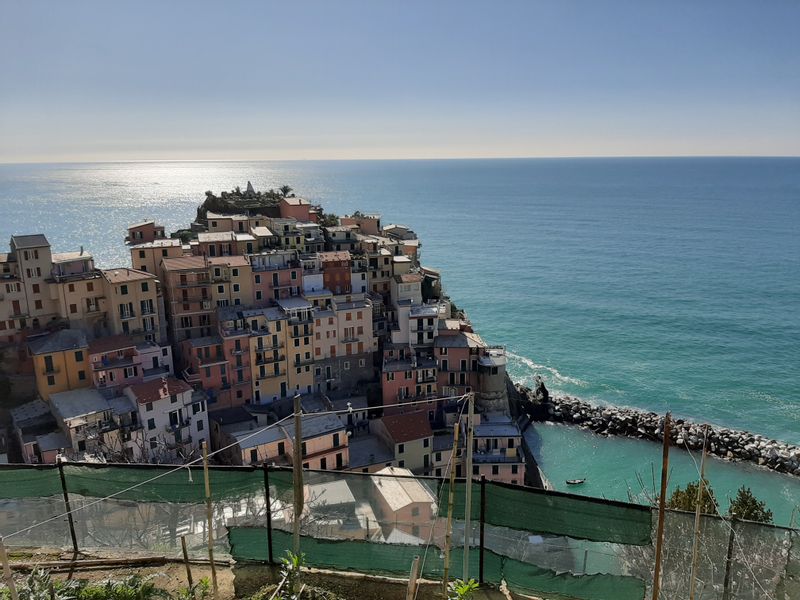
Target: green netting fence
[(552, 544)]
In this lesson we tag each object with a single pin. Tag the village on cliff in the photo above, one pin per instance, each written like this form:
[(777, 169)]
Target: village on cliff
[(213, 332)]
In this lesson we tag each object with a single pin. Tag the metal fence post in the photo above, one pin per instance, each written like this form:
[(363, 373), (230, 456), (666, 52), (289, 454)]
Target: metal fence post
[(269, 512), (482, 524), (67, 505)]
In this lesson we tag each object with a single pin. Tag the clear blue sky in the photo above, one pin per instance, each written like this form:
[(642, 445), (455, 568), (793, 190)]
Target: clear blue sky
[(383, 79)]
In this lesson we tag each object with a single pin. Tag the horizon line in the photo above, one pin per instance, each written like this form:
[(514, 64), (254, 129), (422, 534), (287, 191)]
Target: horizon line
[(397, 159)]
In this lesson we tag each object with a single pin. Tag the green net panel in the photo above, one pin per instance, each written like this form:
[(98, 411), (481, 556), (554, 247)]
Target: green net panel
[(540, 511), (29, 482), (185, 485), (395, 559)]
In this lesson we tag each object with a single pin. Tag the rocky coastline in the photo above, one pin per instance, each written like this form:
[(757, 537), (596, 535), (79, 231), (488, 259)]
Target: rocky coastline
[(729, 444)]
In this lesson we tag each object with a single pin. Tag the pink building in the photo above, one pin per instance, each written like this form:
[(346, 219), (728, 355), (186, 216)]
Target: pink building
[(457, 352), (144, 232), (118, 361), (295, 208), (406, 377)]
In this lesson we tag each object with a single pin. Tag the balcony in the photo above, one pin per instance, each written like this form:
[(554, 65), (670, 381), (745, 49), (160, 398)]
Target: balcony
[(191, 376), (148, 311), (269, 359), (127, 316), (272, 374), (426, 378), (173, 427)]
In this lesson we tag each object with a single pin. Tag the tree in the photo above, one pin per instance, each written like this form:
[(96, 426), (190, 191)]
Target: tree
[(749, 508), (285, 190), (686, 499)]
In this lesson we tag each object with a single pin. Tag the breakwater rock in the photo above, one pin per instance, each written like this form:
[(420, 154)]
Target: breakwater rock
[(728, 444)]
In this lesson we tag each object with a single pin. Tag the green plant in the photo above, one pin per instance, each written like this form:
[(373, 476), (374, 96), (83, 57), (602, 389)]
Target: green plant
[(134, 587), (199, 591), (39, 585), (290, 572), (749, 508), (686, 499), (460, 589)]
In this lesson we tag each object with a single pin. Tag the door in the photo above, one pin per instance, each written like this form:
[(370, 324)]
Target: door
[(155, 362)]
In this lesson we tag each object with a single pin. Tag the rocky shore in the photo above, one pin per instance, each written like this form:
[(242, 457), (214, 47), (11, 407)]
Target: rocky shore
[(538, 405)]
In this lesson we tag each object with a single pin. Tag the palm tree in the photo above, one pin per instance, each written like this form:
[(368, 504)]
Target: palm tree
[(285, 190)]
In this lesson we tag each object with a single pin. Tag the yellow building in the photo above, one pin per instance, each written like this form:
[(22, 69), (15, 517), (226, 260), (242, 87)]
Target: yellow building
[(147, 257), (60, 362), (268, 342), (231, 281), (300, 343), (133, 303)]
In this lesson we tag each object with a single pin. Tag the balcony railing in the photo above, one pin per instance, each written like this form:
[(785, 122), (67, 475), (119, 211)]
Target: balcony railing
[(173, 427), (272, 374)]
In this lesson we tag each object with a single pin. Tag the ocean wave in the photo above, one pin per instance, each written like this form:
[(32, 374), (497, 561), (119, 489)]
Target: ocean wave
[(552, 371)]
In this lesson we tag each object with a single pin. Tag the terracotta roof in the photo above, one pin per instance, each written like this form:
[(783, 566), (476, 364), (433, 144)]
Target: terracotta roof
[(184, 263), (408, 426), (336, 255), (230, 261), (408, 278), (294, 201), (109, 343), (124, 275), (153, 391)]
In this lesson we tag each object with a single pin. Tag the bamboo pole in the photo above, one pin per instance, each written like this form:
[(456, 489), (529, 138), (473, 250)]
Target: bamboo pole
[(411, 590), (186, 563), (297, 470), (468, 499), (661, 508), (697, 511), (210, 520), (7, 575), (448, 534)]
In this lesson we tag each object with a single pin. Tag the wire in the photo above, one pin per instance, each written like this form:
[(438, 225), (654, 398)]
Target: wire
[(198, 460), (141, 483), (730, 528)]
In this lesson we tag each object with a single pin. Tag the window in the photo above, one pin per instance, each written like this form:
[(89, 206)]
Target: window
[(145, 286), (38, 305), (335, 439), (51, 380), (401, 464), (258, 278), (347, 365), (235, 287), (71, 287), (164, 252), (90, 287), (401, 448), (123, 289), (510, 442), (254, 455), (303, 449), (495, 470), (141, 253), (153, 444), (415, 511), (82, 375), (148, 407), (73, 308), (281, 449), (426, 442), (220, 289), (35, 288), (130, 372), (200, 425), (514, 469), (79, 356), (151, 423), (235, 272), (173, 398), (476, 470), (438, 457)]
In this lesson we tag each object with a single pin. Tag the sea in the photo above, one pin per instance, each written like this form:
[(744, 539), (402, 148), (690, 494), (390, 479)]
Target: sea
[(666, 284)]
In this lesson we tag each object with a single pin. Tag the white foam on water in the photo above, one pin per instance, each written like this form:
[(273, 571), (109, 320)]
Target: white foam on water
[(552, 371)]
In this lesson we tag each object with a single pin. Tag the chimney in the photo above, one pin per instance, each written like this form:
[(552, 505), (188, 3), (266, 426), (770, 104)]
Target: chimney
[(81, 250)]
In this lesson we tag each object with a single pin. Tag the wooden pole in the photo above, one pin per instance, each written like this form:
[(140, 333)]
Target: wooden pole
[(661, 507), (210, 521), (411, 590), (67, 505), (186, 563), (7, 575), (269, 513), (297, 469), (448, 532), (468, 500), (483, 523), (697, 512)]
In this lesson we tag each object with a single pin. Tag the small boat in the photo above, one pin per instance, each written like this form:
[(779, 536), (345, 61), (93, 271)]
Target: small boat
[(575, 481)]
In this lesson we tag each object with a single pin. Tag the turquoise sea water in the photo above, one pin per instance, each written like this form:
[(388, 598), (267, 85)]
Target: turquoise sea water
[(665, 284)]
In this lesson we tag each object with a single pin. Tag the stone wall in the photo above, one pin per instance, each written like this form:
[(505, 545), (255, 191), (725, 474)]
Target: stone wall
[(725, 443)]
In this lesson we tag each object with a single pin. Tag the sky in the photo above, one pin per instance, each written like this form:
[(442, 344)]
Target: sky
[(373, 79)]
